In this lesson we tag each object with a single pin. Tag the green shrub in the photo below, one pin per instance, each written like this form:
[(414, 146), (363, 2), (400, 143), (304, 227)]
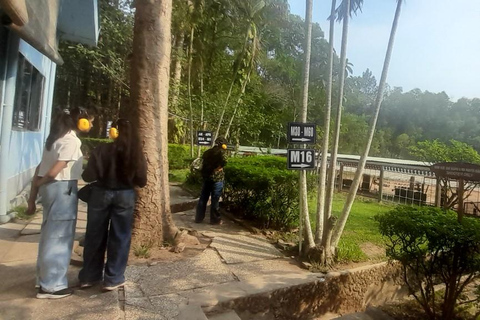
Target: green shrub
[(88, 144), (178, 154), (433, 247), (262, 189)]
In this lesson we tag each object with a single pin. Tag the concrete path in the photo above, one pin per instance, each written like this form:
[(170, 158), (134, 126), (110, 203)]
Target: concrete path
[(236, 264)]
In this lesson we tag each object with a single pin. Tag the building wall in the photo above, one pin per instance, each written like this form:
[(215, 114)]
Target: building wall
[(26, 147)]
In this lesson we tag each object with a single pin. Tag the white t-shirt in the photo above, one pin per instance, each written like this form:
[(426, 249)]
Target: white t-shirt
[(66, 148)]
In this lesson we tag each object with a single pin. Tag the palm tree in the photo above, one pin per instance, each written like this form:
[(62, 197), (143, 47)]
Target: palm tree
[(304, 216), (345, 10), (322, 219), (378, 103), (252, 53), (251, 10), (196, 12)]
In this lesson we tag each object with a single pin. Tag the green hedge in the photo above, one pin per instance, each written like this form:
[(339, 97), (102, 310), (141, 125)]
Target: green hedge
[(261, 188), (178, 154), (88, 144)]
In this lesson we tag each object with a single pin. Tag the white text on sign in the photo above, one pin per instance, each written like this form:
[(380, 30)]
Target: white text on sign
[(295, 131), (301, 156)]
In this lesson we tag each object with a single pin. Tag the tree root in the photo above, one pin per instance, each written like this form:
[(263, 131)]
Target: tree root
[(182, 239)]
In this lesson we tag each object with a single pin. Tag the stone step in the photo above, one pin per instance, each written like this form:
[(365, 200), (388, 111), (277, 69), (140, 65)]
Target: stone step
[(377, 314), (355, 316), (229, 315), (191, 312), (370, 314)]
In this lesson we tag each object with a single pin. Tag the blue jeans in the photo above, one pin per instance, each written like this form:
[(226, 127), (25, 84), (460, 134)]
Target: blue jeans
[(214, 189), (60, 206), (109, 227)]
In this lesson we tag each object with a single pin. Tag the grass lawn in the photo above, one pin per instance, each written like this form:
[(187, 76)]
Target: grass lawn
[(361, 230)]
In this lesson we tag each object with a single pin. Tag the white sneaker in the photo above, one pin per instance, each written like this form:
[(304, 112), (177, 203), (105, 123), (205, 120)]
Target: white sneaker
[(54, 295), (113, 287)]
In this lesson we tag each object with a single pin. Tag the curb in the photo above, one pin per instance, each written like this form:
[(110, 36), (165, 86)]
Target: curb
[(239, 221)]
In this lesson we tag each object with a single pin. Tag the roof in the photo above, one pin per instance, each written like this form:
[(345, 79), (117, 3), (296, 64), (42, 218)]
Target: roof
[(388, 164)]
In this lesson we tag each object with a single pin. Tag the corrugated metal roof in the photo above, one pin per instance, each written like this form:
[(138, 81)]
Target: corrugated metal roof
[(389, 164)]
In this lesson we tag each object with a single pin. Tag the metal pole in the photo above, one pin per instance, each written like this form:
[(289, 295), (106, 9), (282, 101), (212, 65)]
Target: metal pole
[(340, 178), (380, 186), (438, 193), (461, 185)]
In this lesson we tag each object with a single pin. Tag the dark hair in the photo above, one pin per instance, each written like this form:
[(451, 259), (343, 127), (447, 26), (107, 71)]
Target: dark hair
[(64, 121), (220, 140), (128, 151)]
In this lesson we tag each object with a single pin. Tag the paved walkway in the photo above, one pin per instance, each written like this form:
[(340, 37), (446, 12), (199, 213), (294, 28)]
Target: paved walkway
[(236, 264)]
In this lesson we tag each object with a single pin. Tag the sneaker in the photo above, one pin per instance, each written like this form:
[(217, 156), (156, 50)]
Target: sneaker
[(113, 287), (86, 285), (217, 223), (54, 295)]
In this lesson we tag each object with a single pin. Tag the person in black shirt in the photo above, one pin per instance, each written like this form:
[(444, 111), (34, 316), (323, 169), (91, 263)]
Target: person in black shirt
[(117, 168), (213, 161)]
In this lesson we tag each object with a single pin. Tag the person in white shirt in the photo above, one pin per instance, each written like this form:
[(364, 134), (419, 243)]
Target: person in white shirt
[(56, 179)]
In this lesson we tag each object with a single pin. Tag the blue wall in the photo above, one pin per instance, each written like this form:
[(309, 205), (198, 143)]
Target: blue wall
[(26, 147)]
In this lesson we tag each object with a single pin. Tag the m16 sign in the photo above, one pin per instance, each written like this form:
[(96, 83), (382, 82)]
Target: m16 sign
[(301, 159), (302, 133)]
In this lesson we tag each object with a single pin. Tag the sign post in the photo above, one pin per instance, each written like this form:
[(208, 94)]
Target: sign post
[(204, 138), (301, 159), (461, 172), (302, 133)]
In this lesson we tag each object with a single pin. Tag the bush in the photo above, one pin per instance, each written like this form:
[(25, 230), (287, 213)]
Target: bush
[(262, 189), (88, 144), (178, 154), (433, 247)]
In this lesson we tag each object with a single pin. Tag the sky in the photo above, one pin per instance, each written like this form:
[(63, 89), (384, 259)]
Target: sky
[(437, 47)]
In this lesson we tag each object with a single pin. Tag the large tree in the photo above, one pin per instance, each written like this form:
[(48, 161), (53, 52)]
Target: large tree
[(150, 74)]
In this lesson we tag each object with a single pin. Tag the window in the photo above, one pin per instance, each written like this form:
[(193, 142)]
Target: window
[(27, 108), (3, 59)]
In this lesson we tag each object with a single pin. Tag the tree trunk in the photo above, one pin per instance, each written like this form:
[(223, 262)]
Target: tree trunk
[(150, 71), (378, 103), (220, 121), (177, 74), (202, 125), (304, 216), (190, 60), (321, 217), (333, 157), (244, 86)]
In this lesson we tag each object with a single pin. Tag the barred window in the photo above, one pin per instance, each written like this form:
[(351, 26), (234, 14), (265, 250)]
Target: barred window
[(27, 107)]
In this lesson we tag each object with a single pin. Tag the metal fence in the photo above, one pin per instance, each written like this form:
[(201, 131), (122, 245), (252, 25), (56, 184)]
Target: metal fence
[(404, 186)]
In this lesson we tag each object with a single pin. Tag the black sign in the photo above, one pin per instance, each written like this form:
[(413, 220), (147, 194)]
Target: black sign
[(457, 170), (302, 132), (204, 138), (301, 159)]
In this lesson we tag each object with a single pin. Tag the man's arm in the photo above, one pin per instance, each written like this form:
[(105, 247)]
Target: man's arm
[(90, 172), (33, 193), (52, 173)]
